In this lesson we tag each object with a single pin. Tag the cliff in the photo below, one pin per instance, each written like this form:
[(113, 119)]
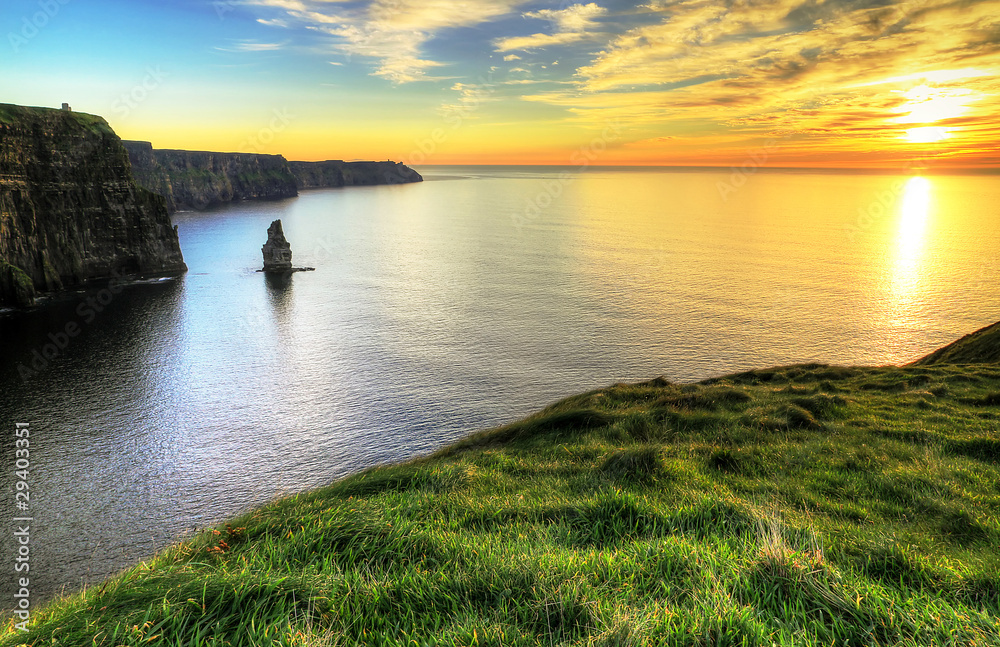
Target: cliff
[(200, 179), (70, 210), (332, 173)]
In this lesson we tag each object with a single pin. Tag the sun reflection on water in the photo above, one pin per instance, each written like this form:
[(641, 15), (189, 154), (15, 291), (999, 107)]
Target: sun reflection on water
[(909, 263)]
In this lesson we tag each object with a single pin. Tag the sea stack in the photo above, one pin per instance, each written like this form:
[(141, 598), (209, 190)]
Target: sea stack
[(277, 252)]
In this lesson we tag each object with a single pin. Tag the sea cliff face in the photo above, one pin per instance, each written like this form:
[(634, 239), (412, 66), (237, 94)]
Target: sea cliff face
[(333, 173), (70, 210), (199, 179), (195, 180)]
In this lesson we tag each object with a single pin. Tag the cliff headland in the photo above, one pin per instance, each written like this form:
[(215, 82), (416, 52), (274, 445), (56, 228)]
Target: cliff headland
[(70, 210)]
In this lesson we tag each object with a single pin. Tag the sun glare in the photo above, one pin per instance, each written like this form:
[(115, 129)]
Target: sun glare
[(926, 134), (914, 213), (927, 105)]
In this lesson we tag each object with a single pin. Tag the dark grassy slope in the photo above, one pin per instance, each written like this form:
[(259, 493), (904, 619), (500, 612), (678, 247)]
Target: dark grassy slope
[(800, 505), (982, 346)]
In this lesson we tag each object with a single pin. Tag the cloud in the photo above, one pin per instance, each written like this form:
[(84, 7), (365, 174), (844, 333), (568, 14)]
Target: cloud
[(512, 57), (853, 73), (250, 46), (575, 18), (536, 41), (391, 32), (570, 25)]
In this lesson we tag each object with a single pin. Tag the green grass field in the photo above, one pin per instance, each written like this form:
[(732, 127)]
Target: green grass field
[(802, 505)]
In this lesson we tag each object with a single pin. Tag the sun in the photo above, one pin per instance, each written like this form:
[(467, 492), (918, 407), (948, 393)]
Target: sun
[(926, 134), (932, 98)]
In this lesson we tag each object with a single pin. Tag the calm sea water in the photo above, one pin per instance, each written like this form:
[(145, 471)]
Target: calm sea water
[(440, 308)]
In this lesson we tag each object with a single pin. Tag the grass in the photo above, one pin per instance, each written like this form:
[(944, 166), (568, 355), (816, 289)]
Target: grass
[(981, 346), (799, 505), (14, 114)]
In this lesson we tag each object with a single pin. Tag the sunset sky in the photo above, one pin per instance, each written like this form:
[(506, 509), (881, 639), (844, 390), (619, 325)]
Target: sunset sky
[(867, 83)]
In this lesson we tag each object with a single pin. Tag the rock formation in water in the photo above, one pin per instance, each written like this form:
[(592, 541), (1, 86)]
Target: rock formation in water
[(333, 173), (70, 210), (277, 251), (198, 180)]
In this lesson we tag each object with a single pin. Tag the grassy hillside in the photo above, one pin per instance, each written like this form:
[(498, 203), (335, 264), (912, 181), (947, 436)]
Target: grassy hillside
[(982, 346), (802, 505)]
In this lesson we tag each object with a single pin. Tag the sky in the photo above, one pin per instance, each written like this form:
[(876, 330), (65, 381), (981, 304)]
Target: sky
[(736, 83)]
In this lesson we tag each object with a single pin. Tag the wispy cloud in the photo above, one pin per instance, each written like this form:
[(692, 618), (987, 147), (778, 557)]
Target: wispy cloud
[(250, 46), (574, 18), (274, 22), (391, 32), (570, 25)]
